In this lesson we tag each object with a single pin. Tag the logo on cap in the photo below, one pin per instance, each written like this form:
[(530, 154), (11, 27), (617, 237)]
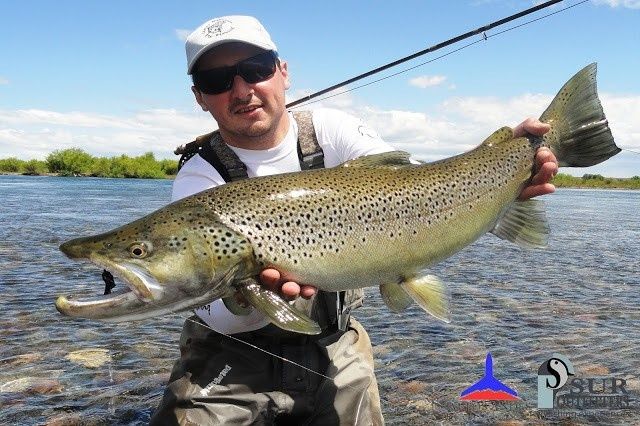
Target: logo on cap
[(217, 27)]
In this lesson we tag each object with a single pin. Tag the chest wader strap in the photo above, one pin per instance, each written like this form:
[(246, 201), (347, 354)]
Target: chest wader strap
[(330, 309)]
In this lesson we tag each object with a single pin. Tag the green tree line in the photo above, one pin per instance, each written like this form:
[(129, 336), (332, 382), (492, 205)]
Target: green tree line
[(562, 180), (76, 162)]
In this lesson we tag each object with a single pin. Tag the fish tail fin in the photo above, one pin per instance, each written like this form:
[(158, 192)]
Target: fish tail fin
[(580, 134)]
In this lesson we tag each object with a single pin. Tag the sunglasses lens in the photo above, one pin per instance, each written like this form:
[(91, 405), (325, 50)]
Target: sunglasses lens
[(215, 81), (253, 70), (258, 68)]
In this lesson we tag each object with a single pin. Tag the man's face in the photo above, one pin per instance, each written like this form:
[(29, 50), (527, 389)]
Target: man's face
[(246, 111)]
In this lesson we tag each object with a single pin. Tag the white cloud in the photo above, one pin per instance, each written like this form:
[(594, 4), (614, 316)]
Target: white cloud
[(457, 125), (425, 81), (30, 134), (630, 4), (3, 80)]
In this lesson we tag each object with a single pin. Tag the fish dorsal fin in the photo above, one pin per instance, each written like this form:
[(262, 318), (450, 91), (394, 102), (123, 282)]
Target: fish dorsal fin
[(391, 159), (524, 223), (502, 135)]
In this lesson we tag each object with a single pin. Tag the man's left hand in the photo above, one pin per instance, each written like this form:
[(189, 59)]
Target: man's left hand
[(546, 165)]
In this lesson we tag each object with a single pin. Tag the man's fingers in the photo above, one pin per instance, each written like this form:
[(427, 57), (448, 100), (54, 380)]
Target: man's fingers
[(270, 278), (290, 290), (544, 155), (307, 291), (536, 190), (545, 173), (531, 126)]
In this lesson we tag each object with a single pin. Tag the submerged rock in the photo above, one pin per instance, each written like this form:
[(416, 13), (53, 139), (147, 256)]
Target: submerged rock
[(33, 385), (90, 358), (23, 359)]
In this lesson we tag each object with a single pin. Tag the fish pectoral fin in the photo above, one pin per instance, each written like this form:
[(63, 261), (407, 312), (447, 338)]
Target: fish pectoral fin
[(235, 307), (430, 294), (392, 159), (277, 309), (524, 223), (395, 297)]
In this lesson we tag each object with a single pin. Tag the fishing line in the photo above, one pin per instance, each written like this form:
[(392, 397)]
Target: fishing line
[(482, 30), (270, 353), (630, 150), (109, 282)]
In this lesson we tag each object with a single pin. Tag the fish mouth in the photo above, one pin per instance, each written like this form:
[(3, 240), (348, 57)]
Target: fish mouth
[(141, 293), (143, 296)]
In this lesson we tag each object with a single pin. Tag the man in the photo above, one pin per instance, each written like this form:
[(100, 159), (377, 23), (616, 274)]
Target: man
[(219, 379)]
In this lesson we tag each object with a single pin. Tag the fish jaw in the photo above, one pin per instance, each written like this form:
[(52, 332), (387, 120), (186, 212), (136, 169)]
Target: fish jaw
[(145, 296)]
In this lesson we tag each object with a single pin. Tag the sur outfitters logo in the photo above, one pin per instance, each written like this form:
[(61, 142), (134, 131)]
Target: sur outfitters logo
[(559, 389)]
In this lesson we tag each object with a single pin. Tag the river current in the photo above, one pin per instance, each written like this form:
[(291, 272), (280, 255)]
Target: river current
[(580, 297)]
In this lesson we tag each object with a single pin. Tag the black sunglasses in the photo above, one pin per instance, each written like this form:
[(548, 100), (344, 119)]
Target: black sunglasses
[(253, 70)]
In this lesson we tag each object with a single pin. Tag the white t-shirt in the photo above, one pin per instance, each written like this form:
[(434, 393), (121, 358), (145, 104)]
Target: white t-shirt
[(342, 138)]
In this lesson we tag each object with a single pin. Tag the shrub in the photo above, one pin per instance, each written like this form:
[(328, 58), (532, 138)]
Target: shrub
[(35, 167), (11, 165), (70, 162)]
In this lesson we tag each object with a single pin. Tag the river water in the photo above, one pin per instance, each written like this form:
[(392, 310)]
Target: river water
[(580, 297)]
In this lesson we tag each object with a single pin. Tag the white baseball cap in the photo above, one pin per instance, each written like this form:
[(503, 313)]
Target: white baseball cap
[(244, 29)]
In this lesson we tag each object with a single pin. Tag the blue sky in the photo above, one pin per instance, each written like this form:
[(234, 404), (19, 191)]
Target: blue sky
[(110, 77)]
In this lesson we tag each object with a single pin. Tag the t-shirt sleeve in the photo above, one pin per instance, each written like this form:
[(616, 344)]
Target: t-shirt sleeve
[(348, 136), (196, 175)]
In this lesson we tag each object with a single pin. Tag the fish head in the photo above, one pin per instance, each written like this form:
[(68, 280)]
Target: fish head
[(176, 258)]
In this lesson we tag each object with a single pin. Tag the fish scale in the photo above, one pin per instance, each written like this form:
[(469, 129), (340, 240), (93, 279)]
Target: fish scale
[(376, 220)]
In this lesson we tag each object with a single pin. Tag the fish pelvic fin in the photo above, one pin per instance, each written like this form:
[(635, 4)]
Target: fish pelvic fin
[(524, 223), (580, 134), (395, 297), (430, 294), (277, 309)]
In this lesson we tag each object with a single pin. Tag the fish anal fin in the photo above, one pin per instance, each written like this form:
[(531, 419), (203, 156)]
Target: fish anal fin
[(430, 294), (524, 223), (279, 311), (392, 159), (395, 297)]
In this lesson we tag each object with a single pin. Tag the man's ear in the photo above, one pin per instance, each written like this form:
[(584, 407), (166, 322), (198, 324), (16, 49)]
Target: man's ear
[(199, 99), (284, 70)]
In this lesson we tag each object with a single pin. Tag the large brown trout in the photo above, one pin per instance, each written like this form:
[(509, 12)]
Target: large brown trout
[(377, 220)]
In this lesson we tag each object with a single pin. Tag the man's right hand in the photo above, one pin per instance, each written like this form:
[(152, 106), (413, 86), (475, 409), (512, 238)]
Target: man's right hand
[(272, 279)]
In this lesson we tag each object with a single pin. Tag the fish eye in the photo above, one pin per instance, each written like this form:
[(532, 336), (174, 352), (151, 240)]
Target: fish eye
[(138, 250)]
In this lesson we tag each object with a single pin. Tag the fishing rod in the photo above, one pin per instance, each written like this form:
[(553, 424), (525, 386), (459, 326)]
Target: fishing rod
[(425, 51)]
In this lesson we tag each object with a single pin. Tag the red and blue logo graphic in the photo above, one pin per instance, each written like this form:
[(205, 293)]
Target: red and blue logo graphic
[(488, 388)]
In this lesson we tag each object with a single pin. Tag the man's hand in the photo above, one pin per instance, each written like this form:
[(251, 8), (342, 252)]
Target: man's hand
[(271, 279), (546, 164)]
